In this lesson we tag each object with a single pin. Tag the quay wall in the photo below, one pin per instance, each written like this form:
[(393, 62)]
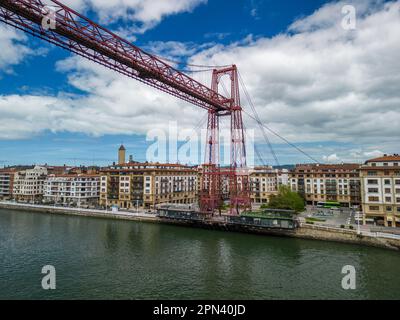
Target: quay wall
[(314, 232)]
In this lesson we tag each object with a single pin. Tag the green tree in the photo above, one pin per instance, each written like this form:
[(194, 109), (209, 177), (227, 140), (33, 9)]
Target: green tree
[(286, 199)]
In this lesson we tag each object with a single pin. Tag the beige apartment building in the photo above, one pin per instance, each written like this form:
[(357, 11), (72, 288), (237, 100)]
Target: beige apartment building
[(263, 184), (29, 184), (144, 185), (328, 183), (265, 181), (380, 179), (72, 189)]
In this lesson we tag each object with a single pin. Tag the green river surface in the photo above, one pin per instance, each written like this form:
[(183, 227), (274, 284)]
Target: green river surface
[(114, 259)]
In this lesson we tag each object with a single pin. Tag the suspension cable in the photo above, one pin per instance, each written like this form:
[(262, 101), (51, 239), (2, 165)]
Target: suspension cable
[(248, 97), (258, 120), (284, 139)]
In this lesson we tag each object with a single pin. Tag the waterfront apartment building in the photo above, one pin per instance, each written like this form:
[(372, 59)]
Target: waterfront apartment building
[(144, 185), (72, 189), (6, 183), (265, 181), (263, 184), (328, 182), (380, 181), (28, 184)]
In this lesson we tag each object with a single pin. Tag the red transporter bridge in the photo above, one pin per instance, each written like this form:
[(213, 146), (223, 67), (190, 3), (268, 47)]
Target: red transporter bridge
[(56, 23)]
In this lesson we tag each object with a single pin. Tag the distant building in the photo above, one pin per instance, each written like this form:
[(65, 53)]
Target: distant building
[(380, 179), (77, 189), (29, 184), (327, 183), (121, 155), (57, 169)]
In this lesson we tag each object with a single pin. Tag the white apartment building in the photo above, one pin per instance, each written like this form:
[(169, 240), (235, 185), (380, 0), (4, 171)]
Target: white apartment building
[(72, 189), (282, 176), (29, 184), (380, 181)]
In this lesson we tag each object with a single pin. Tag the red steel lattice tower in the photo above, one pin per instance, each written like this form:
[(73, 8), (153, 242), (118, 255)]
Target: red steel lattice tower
[(236, 174)]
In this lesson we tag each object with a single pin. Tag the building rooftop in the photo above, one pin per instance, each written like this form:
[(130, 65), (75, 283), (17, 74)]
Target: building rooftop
[(385, 158), (329, 167)]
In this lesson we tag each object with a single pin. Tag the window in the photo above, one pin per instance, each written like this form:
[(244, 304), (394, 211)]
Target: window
[(397, 182), (374, 208), (387, 182), (373, 190), (373, 199), (389, 209), (398, 209), (388, 199), (388, 190), (372, 181)]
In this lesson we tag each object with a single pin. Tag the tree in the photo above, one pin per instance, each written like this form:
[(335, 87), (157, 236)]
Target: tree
[(286, 199)]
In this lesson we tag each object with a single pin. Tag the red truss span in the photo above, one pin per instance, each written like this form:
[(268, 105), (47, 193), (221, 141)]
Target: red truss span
[(84, 37)]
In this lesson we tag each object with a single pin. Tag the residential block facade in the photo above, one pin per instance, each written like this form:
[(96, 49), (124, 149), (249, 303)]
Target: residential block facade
[(265, 181), (6, 183), (327, 182), (381, 190), (134, 185), (29, 184), (74, 189), (263, 184)]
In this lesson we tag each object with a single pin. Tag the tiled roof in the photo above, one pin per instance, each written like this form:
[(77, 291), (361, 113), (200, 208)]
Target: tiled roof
[(387, 158), (337, 167)]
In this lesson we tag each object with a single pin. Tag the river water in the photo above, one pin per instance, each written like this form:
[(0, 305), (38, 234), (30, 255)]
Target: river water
[(109, 259)]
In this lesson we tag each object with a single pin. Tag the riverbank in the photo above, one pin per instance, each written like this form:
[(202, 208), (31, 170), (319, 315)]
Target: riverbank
[(305, 231)]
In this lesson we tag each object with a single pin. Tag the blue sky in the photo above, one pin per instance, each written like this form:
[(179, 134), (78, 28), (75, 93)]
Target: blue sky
[(277, 33)]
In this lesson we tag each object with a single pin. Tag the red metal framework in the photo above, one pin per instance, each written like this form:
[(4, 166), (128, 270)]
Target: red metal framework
[(82, 36), (236, 175)]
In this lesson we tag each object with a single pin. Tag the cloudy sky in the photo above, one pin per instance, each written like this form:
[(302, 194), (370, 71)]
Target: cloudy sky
[(325, 83)]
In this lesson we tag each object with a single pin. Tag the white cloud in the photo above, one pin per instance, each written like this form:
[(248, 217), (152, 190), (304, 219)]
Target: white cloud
[(333, 158), (323, 83), (13, 49), (315, 83), (373, 154), (111, 104), (140, 15)]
